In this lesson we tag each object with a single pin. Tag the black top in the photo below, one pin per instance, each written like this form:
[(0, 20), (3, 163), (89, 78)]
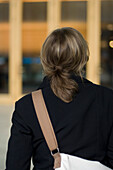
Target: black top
[(83, 127)]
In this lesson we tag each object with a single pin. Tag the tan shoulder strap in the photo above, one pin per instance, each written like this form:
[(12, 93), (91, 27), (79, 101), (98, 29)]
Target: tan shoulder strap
[(46, 126)]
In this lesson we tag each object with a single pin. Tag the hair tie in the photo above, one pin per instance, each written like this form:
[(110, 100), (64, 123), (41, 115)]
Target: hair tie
[(58, 69)]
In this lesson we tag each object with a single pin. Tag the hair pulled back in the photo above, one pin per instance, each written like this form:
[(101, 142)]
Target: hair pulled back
[(63, 53)]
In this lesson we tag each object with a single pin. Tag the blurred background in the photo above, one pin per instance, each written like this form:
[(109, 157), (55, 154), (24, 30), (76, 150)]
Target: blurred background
[(24, 25)]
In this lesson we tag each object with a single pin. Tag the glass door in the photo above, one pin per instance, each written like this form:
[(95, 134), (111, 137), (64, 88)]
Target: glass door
[(5, 71), (4, 48), (107, 43), (34, 32), (74, 14)]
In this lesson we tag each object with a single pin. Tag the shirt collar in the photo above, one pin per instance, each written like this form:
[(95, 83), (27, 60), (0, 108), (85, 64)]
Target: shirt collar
[(46, 81)]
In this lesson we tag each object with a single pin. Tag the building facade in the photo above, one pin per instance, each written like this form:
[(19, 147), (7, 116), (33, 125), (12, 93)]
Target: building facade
[(24, 25)]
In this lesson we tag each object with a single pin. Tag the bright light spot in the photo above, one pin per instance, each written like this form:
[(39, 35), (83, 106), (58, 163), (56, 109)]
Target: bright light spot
[(111, 43)]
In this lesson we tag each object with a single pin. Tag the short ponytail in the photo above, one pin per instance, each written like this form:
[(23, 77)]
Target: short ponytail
[(64, 52)]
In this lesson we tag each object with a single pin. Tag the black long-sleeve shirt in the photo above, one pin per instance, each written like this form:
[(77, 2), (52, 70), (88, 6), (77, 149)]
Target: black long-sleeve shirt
[(83, 127)]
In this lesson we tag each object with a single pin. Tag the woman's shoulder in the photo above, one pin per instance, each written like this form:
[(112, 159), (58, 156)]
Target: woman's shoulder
[(26, 99), (98, 88), (103, 90), (104, 96), (23, 101), (25, 108)]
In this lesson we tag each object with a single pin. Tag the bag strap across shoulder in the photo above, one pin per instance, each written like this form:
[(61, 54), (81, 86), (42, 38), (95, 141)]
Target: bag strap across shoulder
[(46, 126)]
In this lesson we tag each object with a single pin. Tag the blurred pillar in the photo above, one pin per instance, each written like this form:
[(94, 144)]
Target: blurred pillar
[(15, 79), (53, 16), (94, 39)]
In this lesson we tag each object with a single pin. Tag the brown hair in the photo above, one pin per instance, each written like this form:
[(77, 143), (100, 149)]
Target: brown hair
[(64, 52)]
